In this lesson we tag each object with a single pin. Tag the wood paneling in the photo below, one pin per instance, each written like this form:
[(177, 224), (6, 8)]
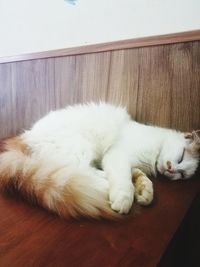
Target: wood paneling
[(185, 66), (65, 82), (154, 94), (109, 46), (81, 78), (159, 85), (33, 86), (26, 93), (124, 79), (7, 101)]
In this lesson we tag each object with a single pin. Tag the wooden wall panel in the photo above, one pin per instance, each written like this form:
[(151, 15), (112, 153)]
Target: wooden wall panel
[(159, 85), (65, 82), (154, 94), (92, 74), (148, 41), (33, 91), (185, 66), (124, 79), (7, 102), (81, 78)]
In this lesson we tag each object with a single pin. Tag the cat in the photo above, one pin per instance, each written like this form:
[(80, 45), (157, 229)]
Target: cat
[(93, 160)]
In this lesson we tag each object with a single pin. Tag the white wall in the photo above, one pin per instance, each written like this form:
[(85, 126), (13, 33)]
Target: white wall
[(39, 25)]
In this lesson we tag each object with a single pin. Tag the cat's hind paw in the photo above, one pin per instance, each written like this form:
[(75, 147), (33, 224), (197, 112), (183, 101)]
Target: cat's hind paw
[(121, 200)]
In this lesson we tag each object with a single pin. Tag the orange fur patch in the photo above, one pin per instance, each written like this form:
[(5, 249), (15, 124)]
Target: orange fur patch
[(137, 176), (20, 173), (16, 143), (194, 150), (12, 153)]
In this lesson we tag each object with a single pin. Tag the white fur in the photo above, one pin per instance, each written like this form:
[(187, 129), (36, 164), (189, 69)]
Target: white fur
[(86, 136)]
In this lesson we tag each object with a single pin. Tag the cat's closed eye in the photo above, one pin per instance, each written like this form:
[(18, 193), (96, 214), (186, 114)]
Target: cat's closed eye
[(182, 156)]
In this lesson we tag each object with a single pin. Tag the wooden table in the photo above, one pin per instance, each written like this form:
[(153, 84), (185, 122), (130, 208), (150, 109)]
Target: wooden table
[(32, 237)]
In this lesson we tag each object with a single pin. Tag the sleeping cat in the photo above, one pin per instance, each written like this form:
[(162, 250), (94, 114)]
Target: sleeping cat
[(93, 160)]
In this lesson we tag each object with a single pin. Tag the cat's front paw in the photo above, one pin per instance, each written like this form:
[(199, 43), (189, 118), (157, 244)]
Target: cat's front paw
[(121, 199), (144, 191)]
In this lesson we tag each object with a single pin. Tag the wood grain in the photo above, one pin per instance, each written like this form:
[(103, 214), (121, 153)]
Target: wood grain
[(81, 78), (28, 93), (33, 237), (185, 69), (124, 79), (65, 82), (109, 46), (7, 101), (159, 85), (154, 94)]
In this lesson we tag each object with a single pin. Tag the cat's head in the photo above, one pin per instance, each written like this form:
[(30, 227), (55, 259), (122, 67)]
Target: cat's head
[(179, 156)]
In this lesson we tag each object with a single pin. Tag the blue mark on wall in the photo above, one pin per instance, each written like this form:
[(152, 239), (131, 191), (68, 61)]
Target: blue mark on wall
[(71, 2)]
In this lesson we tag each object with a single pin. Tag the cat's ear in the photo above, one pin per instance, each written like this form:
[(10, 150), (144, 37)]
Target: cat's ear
[(196, 137), (193, 136), (194, 140)]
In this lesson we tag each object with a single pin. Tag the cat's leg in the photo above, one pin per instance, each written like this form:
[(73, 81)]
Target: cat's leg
[(143, 187), (121, 190)]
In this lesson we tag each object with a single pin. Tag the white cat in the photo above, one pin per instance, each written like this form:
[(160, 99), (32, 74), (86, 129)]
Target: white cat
[(92, 159)]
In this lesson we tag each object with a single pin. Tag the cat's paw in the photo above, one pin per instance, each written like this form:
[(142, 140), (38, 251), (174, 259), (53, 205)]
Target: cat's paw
[(144, 191), (121, 200)]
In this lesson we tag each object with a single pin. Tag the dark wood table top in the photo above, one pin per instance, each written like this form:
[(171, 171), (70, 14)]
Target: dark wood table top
[(32, 237)]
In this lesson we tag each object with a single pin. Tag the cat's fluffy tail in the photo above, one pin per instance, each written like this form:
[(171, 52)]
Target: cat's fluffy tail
[(69, 193)]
